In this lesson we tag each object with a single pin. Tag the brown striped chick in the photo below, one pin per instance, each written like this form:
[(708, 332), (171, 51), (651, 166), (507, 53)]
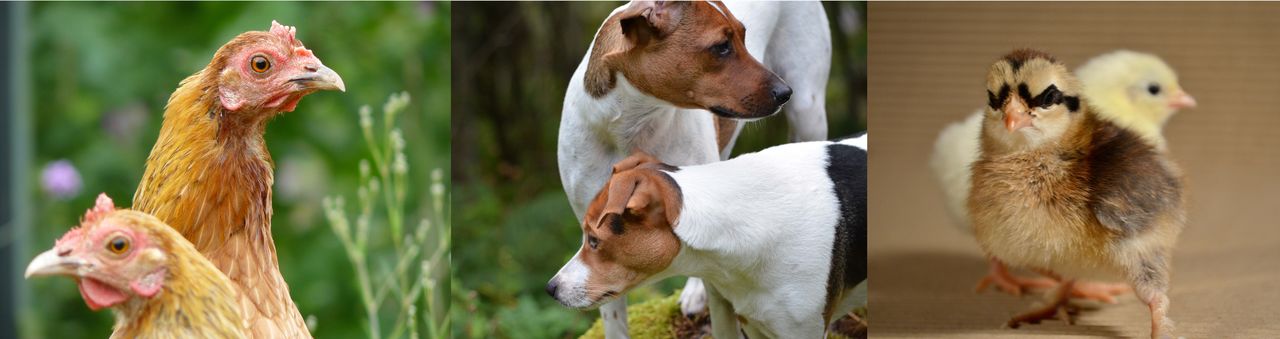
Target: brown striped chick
[(1060, 191), (1136, 90)]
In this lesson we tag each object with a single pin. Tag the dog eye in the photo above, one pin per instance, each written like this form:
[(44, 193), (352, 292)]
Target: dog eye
[(722, 49), (593, 242), (1154, 89)]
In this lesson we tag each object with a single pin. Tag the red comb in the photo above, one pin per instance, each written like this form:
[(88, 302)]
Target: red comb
[(100, 210), (283, 31)]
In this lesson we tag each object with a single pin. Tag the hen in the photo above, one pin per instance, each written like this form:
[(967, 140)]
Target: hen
[(209, 175), (157, 283)]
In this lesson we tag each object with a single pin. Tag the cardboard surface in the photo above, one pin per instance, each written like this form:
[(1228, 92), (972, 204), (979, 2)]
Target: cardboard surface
[(926, 68)]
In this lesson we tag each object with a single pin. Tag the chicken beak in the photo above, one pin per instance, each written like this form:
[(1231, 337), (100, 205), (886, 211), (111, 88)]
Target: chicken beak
[(1182, 100), (50, 263), (320, 78), (1016, 115)]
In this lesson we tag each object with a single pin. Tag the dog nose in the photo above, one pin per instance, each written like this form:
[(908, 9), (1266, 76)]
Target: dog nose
[(552, 286), (781, 93)]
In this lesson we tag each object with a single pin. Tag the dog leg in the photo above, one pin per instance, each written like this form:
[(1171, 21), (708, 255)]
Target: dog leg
[(614, 314), (724, 320), (693, 299)]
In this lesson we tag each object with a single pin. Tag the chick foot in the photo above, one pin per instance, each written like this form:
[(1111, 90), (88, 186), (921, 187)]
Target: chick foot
[(999, 275), (1059, 308), (1103, 292)]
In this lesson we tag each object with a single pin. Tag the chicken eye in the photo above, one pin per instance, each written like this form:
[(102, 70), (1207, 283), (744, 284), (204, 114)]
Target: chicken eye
[(260, 64), (722, 49), (1154, 89), (118, 245), (593, 242)]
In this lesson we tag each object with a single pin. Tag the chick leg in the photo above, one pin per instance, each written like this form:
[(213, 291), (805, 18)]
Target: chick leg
[(1151, 284), (999, 275), (1059, 307), (1099, 291)]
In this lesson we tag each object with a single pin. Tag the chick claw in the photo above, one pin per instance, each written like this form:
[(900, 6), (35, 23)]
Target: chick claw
[(999, 275), (1060, 308)]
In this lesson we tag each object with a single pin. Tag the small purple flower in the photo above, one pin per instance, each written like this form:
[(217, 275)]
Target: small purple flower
[(60, 179)]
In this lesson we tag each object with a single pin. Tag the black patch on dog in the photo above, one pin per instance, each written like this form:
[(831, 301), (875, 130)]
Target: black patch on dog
[(1130, 181), (847, 168)]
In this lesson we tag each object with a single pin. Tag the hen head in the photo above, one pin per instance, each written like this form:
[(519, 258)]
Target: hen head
[(265, 73), (1031, 100), (114, 255)]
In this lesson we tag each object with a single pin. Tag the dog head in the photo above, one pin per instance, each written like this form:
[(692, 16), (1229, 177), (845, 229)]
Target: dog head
[(690, 54), (628, 235)]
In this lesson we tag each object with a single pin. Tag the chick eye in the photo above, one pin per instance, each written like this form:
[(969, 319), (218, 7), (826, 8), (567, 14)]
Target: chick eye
[(1154, 89), (118, 245), (722, 49), (260, 64), (593, 242)]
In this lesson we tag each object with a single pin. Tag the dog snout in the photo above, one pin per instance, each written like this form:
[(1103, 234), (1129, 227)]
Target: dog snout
[(781, 92), (552, 286)]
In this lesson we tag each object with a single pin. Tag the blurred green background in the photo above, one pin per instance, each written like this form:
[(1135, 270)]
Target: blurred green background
[(100, 74), (511, 65)]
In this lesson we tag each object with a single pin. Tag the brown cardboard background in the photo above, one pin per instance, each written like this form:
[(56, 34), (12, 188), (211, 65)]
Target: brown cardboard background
[(926, 67)]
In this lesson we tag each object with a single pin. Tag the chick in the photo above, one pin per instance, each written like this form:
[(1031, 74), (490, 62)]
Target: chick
[(1061, 191), (1136, 90)]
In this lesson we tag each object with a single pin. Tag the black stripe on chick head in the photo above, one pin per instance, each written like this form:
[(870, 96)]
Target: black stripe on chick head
[(1021, 56), (1048, 97), (996, 100)]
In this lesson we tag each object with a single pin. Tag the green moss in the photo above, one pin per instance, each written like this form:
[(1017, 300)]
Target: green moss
[(661, 319), (650, 319)]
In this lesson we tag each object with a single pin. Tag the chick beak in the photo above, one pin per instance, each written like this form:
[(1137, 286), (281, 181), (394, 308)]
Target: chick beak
[(1016, 115), (1182, 100), (52, 263), (319, 78)]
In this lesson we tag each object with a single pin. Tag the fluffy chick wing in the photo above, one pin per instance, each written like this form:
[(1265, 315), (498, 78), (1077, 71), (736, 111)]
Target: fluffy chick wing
[(955, 150), (1132, 183)]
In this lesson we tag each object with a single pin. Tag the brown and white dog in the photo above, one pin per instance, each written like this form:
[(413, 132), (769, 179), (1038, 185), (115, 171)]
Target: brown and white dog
[(673, 79), (781, 234)]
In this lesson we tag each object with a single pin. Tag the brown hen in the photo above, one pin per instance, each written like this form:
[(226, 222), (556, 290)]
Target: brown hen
[(209, 175), (158, 284)]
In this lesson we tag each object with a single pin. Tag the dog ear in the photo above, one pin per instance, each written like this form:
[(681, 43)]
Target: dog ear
[(647, 21), (637, 158), (639, 194)]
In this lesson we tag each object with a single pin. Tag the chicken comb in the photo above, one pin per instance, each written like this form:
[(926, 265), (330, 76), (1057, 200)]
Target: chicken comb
[(286, 32), (100, 210)]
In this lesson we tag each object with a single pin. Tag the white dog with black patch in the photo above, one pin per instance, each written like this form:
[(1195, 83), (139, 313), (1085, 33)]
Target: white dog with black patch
[(781, 234)]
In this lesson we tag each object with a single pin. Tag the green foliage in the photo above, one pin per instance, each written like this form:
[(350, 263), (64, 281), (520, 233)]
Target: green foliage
[(102, 73), (412, 270)]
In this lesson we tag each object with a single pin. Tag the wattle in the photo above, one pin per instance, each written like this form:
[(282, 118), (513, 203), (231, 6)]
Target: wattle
[(99, 295)]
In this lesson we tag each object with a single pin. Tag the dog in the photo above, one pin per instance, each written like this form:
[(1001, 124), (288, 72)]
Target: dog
[(655, 70), (781, 234)]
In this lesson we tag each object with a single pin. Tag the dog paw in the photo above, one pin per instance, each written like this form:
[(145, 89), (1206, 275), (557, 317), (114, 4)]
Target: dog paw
[(693, 300)]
